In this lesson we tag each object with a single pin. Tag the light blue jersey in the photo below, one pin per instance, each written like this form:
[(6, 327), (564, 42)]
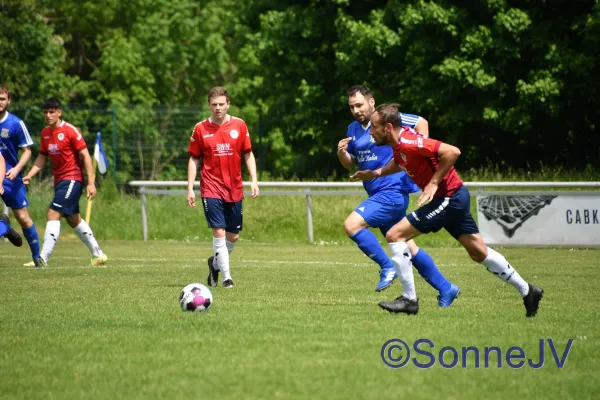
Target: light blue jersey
[(368, 155)]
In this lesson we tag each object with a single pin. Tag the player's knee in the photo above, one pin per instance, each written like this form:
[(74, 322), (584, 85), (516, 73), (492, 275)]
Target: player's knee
[(233, 237), (350, 226), (393, 236)]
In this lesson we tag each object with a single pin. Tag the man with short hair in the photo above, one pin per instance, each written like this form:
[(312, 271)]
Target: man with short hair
[(65, 146), (14, 136), (388, 196), (444, 203), (218, 145)]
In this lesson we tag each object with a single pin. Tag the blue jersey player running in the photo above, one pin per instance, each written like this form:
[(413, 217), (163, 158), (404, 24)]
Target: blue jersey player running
[(388, 198), (14, 136)]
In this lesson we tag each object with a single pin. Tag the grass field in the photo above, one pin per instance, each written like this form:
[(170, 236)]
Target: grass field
[(302, 322)]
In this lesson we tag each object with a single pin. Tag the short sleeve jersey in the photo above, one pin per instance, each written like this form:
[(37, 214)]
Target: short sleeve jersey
[(221, 148), (368, 155), (63, 144), (13, 135), (419, 155)]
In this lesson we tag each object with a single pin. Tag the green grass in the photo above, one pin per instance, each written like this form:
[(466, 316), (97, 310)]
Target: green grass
[(302, 322)]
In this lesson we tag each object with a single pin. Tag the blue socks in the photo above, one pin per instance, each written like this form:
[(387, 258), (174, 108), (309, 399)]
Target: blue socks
[(34, 241), (368, 244), (428, 270), (3, 229)]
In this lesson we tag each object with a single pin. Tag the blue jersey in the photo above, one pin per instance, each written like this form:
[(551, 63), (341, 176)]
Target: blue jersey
[(13, 135), (368, 155)]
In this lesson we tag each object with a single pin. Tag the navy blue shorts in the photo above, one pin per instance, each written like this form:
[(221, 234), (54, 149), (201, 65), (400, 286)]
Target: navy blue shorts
[(66, 197), (221, 214), (14, 193), (451, 213)]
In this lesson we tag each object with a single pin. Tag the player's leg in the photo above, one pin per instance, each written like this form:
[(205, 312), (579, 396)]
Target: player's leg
[(7, 230), (426, 267), (233, 227), (397, 238), (465, 230), (69, 201), (499, 266), (51, 234), (15, 197), (29, 231), (214, 213), (369, 213)]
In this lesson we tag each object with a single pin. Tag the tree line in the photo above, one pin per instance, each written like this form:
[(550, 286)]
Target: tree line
[(512, 83)]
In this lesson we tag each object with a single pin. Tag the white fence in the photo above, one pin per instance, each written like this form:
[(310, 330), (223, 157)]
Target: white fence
[(310, 189)]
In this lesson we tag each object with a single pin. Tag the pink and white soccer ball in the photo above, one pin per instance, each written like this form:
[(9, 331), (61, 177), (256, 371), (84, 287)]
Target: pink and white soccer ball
[(195, 297)]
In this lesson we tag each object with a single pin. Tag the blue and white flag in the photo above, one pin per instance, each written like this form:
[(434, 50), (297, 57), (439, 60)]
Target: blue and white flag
[(100, 155)]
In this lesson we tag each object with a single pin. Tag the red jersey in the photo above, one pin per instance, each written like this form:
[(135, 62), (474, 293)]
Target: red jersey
[(419, 155), (221, 148), (63, 145)]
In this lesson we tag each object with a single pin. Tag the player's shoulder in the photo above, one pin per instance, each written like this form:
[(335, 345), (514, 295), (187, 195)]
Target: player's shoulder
[(12, 118), (355, 127), (68, 127), (237, 120), (201, 124)]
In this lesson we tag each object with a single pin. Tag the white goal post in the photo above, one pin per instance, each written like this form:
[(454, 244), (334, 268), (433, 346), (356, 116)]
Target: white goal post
[(309, 189)]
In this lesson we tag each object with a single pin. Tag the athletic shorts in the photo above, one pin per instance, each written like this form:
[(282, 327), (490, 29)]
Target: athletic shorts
[(221, 214), (14, 194), (66, 197), (451, 213), (383, 214)]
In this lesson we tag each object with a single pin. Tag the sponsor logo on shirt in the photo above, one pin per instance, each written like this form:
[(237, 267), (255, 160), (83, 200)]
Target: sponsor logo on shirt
[(223, 149), (53, 149), (4, 133), (408, 141), (209, 135)]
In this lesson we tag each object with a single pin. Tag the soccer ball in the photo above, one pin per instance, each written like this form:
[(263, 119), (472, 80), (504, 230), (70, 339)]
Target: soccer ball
[(195, 297)]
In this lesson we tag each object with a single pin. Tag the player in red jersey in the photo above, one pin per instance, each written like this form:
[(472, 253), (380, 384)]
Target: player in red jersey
[(218, 145), (444, 203), (69, 155)]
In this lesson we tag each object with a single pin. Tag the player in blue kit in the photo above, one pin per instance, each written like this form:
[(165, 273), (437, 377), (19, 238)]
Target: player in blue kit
[(14, 136), (388, 197)]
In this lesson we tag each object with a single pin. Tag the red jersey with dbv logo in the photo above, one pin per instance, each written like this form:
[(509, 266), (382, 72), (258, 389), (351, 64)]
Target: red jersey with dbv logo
[(221, 148), (63, 145), (419, 155)]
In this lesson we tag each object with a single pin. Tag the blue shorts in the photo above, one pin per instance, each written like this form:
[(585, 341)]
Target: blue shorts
[(383, 214), (14, 193), (221, 214), (451, 213), (66, 197)]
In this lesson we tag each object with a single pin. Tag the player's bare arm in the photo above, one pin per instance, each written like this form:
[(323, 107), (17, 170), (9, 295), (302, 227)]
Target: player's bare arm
[(193, 165), (342, 151), (12, 173), (86, 159), (422, 127), (390, 168), (38, 164), (251, 165), (448, 155)]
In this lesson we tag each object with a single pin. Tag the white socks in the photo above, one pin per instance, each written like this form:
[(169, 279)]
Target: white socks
[(86, 235), (221, 253), (401, 259), (497, 265), (50, 237)]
